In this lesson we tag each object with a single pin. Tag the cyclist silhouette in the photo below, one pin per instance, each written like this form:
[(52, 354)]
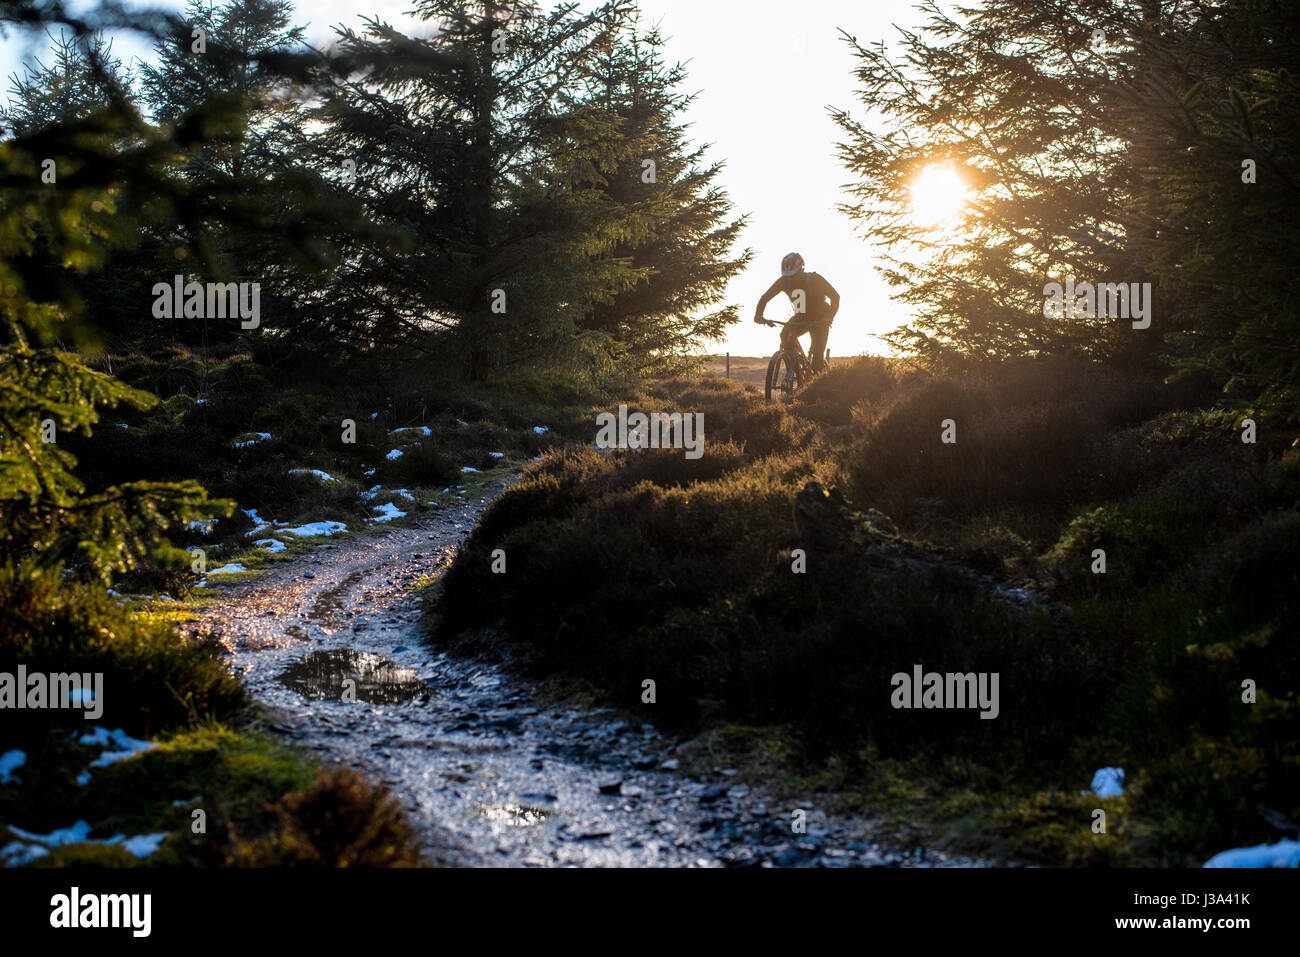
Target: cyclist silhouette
[(815, 301)]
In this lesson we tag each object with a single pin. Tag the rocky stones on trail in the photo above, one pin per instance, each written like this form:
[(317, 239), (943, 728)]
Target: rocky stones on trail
[(487, 773)]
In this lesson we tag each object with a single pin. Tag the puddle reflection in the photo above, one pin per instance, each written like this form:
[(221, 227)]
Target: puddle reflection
[(514, 815), (326, 675)]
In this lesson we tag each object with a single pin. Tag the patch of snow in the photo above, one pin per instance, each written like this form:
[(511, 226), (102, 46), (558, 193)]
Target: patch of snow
[(261, 437), (1282, 854), (368, 472), (11, 761), (83, 778), (497, 455), (141, 845), (323, 476), (540, 429), (462, 422), (18, 854), (374, 415), (394, 455), (1107, 783), (271, 545), (228, 569), (315, 528), (81, 697), (200, 525), (126, 745), (388, 513), (467, 468)]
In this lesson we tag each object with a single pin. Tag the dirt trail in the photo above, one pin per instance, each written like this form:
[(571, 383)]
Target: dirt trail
[(487, 776)]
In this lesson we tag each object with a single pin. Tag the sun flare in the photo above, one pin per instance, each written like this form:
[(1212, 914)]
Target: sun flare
[(938, 194)]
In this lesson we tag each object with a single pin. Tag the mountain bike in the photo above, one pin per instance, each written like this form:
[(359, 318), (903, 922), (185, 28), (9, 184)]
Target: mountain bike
[(789, 369)]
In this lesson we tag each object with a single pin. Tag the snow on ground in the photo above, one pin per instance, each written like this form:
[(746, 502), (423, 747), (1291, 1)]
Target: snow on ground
[(1281, 854), (260, 523), (270, 544), (315, 528), (388, 513), (394, 455), (497, 455), (10, 761), (126, 745), (261, 437), (467, 468), (17, 853), (81, 697), (227, 569), (200, 525), (1107, 783), (541, 429), (323, 476)]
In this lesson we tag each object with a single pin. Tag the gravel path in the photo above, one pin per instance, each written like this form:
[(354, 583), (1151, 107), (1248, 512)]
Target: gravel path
[(488, 777)]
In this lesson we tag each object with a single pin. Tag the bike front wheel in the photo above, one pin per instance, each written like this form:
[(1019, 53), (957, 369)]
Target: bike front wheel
[(782, 378)]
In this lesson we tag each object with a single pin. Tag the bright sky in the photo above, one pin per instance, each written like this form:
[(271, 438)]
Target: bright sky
[(765, 71)]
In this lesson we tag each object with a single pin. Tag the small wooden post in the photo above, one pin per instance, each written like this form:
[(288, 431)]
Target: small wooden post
[(728, 365)]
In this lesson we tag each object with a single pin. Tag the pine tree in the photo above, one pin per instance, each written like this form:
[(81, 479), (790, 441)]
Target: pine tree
[(1010, 98), (472, 143), (1214, 132), (238, 99), (69, 89), (74, 194), (672, 213), (242, 39)]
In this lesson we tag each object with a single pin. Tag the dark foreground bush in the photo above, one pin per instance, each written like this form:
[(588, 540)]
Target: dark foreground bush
[(631, 567), (152, 679)]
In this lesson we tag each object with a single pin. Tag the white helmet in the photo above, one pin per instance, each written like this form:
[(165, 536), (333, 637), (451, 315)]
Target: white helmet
[(791, 264)]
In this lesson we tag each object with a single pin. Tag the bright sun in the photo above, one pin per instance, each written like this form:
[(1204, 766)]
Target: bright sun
[(938, 194)]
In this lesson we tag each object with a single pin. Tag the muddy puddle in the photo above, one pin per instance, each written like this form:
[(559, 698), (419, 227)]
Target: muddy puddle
[(345, 674)]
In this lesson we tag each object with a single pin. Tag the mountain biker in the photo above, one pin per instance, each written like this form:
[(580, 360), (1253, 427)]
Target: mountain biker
[(816, 307)]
